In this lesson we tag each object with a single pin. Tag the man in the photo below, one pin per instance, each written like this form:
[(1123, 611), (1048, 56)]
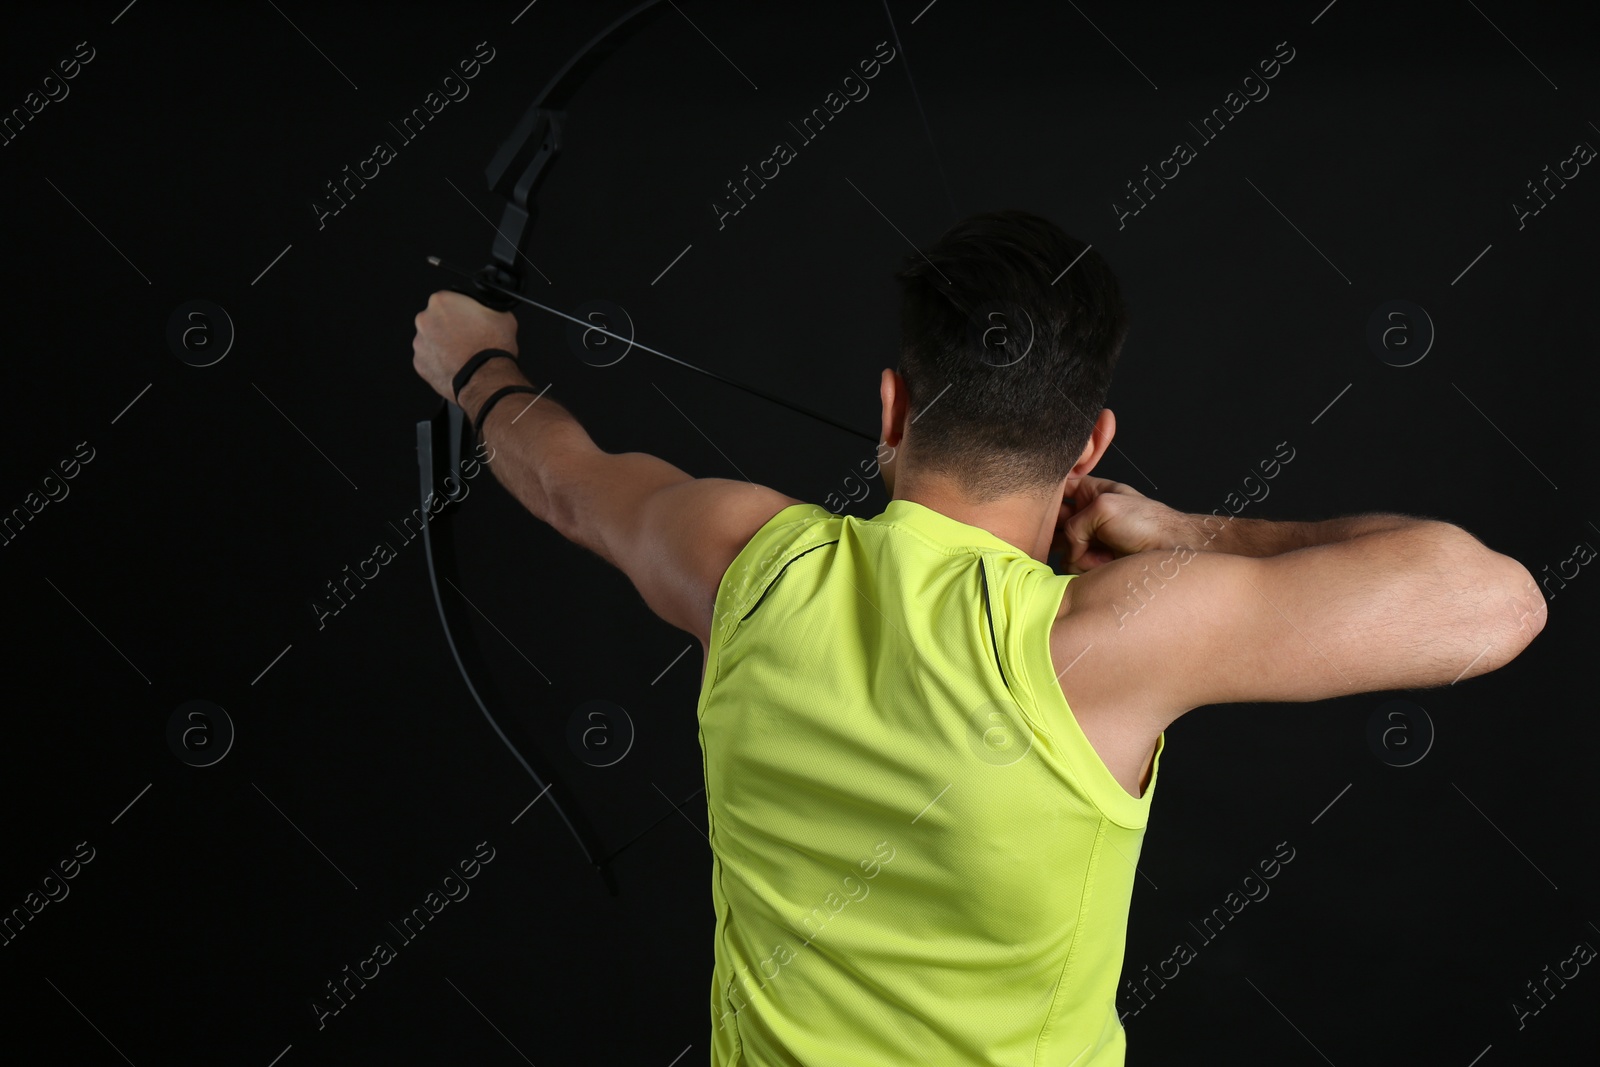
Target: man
[(929, 757)]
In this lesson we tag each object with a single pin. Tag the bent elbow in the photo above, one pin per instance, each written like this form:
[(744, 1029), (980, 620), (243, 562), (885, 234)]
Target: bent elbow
[(1520, 612), (1500, 609), (1525, 604)]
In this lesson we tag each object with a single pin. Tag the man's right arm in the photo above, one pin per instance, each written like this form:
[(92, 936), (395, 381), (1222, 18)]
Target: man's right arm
[(1269, 611)]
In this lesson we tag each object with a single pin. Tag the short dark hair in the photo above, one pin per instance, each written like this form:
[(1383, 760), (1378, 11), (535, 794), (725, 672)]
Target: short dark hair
[(1007, 356)]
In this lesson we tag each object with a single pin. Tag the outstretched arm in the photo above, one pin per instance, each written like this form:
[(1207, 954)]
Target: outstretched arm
[(1272, 611), (673, 535)]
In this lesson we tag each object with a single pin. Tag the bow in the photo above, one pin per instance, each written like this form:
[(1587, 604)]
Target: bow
[(514, 172)]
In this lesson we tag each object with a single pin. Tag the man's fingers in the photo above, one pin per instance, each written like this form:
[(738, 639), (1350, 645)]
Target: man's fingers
[(1088, 490), (1079, 529), (1099, 486)]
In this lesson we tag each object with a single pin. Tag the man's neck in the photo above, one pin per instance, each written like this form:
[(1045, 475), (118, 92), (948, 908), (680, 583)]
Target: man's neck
[(1023, 520)]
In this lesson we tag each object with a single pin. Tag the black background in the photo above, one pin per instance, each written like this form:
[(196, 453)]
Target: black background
[(186, 556)]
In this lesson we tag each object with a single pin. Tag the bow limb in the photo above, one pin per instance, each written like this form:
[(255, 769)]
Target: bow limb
[(515, 172), (438, 544)]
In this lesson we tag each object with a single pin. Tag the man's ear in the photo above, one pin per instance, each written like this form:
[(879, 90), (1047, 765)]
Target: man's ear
[(893, 398), (1105, 428), (892, 394)]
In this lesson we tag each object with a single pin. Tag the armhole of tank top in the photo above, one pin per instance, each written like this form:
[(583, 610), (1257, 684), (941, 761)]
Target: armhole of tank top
[(738, 586), (773, 581), (733, 590), (1034, 665)]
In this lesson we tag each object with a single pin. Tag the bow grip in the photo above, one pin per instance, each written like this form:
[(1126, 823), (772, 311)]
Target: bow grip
[(478, 288)]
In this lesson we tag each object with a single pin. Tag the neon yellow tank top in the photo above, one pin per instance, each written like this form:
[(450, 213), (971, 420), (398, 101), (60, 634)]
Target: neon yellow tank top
[(917, 856)]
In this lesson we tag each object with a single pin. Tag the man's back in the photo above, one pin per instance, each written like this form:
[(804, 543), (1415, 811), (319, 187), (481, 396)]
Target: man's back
[(918, 856)]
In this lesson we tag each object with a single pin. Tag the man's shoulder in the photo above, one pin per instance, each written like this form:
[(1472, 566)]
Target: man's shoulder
[(759, 528), (1095, 658)]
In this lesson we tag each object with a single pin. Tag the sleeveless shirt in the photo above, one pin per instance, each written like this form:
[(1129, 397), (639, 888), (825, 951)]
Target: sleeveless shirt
[(917, 855)]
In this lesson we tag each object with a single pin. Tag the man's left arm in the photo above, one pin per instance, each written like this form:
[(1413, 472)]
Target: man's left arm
[(673, 535)]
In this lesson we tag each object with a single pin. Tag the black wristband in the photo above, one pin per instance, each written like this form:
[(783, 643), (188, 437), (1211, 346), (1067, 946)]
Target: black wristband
[(470, 367), (494, 397)]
